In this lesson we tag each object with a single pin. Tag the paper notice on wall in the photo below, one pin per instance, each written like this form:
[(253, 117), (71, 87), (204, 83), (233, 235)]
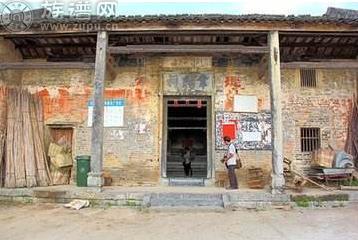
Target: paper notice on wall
[(251, 136), (113, 113), (229, 130), (245, 103)]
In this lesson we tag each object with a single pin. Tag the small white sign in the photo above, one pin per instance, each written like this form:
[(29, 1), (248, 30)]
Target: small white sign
[(251, 136), (244, 103), (113, 113)]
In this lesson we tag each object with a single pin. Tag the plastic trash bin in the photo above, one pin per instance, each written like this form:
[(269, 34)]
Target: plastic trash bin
[(83, 168)]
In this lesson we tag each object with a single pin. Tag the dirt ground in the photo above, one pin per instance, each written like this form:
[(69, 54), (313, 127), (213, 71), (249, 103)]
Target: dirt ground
[(50, 221)]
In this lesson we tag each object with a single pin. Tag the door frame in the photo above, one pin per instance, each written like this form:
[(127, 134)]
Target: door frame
[(209, 131)]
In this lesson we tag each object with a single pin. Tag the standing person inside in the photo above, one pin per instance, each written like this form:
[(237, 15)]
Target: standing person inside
[(230, 162), (187, 158)]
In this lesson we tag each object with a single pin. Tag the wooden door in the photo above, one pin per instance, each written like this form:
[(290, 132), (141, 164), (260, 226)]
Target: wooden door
[(62, 136)]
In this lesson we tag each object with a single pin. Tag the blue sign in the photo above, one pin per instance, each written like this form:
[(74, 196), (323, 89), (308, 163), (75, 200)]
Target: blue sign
[(109, 103)]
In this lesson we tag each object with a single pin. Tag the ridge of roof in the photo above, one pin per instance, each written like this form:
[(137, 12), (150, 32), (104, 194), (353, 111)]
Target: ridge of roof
[(332, 16), (202, 17), (341, 13)]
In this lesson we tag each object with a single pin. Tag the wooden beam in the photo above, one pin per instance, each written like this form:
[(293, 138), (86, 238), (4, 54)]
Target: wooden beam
[(188, 31), (187, 49), (329, 64), (278, 180), (46, 65), (311, 181), (313, 34), (95, 177), (150, 31), (317, 44), (55, 45), (163, 26), (48, 35)]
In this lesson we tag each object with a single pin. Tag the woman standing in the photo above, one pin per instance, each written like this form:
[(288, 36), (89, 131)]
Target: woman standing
[(230, 162)]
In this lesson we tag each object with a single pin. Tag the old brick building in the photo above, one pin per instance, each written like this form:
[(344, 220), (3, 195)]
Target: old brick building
[(176, 81)]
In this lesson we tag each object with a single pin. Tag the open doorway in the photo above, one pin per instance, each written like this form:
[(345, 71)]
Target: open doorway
[(186, 137)]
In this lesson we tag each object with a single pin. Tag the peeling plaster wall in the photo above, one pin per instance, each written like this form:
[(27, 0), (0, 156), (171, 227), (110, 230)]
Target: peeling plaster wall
[(132, 152), (240, 80), (327, 107)]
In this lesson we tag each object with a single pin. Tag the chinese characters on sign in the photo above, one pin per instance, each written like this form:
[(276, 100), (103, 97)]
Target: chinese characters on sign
[(106, 9), (55, 8), (113, 113), (79, 8), (249, 131)]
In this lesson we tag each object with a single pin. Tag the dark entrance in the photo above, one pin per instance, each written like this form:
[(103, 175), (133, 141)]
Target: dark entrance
[(186, 130)]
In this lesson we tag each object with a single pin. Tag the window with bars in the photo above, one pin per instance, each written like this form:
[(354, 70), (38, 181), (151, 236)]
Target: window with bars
[(310, 139), (308, 77)]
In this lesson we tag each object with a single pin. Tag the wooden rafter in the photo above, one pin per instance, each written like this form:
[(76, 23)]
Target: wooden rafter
[(327, 64), (186, 48), (295, 46), (46, 65)]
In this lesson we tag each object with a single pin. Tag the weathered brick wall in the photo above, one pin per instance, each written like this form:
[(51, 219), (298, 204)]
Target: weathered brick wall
[(132, 152), (65, 93), (130, 156), (230, 80), (327, 107), (233, 80)]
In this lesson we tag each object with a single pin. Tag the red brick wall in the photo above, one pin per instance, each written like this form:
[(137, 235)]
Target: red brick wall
[(132, 157), (327, 107)]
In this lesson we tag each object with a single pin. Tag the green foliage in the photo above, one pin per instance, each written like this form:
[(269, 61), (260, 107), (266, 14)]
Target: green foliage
[(347, 183), (132, 203), (303, 200), (306, 201)]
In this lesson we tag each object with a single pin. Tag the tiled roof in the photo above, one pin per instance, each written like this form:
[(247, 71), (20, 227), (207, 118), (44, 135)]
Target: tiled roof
[(210, 18), (340, 13)]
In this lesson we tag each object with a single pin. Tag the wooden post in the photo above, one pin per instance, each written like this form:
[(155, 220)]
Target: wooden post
[(278, 180), (95, 177)]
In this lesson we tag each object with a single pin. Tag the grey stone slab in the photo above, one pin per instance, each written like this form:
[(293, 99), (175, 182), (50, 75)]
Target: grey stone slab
[(173, 197), (16, 191), (186, 199)]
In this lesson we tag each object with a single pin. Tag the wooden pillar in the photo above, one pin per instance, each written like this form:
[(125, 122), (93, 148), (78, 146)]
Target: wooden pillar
[(278, 180), (95, 177)]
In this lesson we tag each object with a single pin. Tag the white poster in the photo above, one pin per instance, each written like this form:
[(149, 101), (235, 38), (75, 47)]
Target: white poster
[(251, 136), (244, 103), (113, 113)]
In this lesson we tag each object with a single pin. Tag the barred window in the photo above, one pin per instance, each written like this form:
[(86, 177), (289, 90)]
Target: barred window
[(308, 77), (310, 139)]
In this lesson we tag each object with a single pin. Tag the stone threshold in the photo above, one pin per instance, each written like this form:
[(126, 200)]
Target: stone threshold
[(171, 197)]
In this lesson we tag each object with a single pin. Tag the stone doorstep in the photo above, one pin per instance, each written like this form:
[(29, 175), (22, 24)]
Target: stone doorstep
[(186, 200), (240, 199)]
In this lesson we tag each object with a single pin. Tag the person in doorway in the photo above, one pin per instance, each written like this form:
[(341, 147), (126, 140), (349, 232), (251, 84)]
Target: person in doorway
[(187, 158), (230, 162)]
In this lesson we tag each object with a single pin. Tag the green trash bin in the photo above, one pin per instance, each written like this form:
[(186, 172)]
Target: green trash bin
[(83, 168)]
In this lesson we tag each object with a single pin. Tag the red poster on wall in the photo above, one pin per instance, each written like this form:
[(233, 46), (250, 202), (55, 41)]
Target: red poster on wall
[(229, 129)]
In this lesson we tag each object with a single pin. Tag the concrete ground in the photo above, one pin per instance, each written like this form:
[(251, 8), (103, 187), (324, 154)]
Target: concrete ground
[(50, 221)]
